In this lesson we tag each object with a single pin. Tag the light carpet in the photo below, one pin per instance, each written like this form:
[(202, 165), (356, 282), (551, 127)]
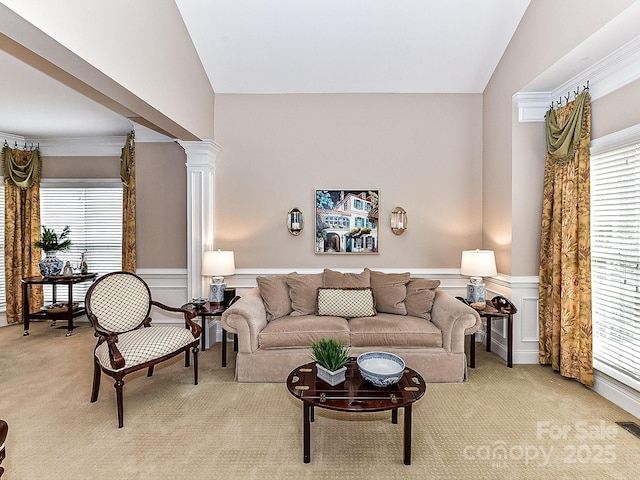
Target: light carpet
[(520, 423)]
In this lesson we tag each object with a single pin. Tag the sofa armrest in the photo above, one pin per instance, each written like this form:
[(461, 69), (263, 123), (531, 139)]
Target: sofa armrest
[(454, 319), (246, 318)]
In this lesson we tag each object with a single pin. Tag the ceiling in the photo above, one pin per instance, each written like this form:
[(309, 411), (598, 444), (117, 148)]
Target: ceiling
[(296, 46)]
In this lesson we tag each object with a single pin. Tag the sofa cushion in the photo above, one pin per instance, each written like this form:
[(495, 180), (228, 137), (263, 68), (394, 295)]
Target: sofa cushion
[(302, 331), (346, 302), (303, 290), (420, 295), (389, 330), (345, 280), (275, 295), (389, 291)]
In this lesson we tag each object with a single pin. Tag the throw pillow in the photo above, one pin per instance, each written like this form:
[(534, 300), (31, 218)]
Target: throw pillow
[(335, 279), (275, 295), (346, 302), (303, 290), (390, 290), (420, 295)]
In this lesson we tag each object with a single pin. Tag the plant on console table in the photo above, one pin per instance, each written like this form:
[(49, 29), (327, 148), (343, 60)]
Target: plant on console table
[(52, 243), (330, 357)]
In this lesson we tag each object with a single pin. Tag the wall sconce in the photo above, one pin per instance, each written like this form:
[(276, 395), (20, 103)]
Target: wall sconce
[(398, 220), (295, 221)]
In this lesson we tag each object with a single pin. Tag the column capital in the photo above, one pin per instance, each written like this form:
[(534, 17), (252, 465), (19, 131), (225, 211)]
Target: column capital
[(200, 153)]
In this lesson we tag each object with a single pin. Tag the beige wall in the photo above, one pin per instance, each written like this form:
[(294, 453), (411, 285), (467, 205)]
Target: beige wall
[(513, 152), (161, 189), (136, 58), (423, 152), (80, 167), (161, 196)]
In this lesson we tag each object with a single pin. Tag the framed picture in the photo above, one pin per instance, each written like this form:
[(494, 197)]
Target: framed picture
[(347, 221)]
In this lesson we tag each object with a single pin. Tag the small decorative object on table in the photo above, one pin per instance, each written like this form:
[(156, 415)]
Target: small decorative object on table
[(198, 302), (381, 368), (83, 265), (52, 243), (331, 357)]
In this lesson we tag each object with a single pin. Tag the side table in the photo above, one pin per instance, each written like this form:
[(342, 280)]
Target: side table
[(215, 312), (498, 309), (54, 281)]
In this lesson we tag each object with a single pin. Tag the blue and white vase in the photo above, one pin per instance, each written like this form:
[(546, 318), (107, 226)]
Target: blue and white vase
[(50, 265)]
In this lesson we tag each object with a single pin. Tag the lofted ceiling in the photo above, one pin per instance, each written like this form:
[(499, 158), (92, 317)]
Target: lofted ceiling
[(295, 46)]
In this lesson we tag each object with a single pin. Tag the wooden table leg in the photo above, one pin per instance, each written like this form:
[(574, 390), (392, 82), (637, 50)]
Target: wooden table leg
[(394, 416), (306, 432), (407, 435), (510, 341), (224, 347), (472, 350), (488, 319), (25, 308)]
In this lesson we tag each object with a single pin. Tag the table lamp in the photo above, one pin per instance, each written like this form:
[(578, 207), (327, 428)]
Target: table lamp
[(216, 264), (477, 264)]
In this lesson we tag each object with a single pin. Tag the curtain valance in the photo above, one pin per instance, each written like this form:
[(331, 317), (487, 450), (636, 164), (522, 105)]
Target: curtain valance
[(21, 168), (563, 141)]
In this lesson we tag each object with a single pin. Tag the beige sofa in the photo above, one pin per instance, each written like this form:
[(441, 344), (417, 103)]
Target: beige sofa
[(277, 321)]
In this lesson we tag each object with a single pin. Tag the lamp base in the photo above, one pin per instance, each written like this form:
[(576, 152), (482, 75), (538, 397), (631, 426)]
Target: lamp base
[(476, 292), (216, 293)]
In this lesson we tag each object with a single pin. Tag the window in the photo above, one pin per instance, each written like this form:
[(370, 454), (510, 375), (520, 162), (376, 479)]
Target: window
[(93, 211), (615, 259)]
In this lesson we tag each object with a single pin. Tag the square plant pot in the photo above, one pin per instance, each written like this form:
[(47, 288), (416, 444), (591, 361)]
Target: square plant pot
[(332, 378)]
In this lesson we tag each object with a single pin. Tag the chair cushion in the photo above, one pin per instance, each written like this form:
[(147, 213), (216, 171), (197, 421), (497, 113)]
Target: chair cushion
[(302, 331), (145, 344), (120, 302), (389, 330)]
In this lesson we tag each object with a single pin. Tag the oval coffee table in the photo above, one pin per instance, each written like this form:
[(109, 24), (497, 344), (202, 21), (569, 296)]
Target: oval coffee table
[(355, 394)]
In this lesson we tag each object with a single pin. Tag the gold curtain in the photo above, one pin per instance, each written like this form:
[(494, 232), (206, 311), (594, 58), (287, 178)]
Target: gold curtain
[(565, 252), (128, 175), (21, 227)]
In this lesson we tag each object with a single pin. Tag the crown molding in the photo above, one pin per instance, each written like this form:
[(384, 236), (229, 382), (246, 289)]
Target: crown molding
[(609, 74)]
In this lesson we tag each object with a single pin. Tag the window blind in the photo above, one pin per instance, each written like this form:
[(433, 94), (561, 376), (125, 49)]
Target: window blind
[(615, 262), (94, 215)]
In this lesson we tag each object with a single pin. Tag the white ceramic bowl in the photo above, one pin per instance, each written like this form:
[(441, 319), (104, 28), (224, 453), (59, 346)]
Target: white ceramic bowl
[(381, 368)]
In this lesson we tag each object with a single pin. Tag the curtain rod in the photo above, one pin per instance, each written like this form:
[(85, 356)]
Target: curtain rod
[(26, 147), (558, 104)]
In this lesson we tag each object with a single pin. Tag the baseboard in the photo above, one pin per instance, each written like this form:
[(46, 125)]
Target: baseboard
[(616, 392)]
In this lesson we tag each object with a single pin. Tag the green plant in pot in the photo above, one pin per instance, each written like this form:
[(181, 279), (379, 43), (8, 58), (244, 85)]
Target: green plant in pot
[(51, 243), (330, 357)]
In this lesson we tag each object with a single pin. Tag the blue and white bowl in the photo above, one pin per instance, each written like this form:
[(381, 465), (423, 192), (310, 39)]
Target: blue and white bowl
[(381, 368)]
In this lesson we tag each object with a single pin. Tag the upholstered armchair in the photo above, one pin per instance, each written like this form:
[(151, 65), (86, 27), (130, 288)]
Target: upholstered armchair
[(4, 429), (118, 305)]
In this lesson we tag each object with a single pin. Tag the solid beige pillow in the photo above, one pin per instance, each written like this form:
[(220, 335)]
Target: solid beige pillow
[(303, 290), (390, 290), (333, 279), (420, 295), (275, 295), (346, 302)]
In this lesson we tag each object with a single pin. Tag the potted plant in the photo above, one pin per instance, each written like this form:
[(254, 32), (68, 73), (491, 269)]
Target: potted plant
[(52, 243), (330, 357)]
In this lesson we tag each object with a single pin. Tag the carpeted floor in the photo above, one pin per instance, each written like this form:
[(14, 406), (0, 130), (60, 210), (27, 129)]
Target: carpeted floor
[(520, 423)]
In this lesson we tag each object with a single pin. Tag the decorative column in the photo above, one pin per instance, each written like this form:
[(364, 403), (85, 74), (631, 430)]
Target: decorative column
[(201, 164)]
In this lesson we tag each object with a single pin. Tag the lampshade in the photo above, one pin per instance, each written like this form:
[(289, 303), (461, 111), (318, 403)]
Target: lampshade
[(218, 263), (478, 263)]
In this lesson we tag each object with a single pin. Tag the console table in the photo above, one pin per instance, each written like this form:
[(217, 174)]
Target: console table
[(69, 314)]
